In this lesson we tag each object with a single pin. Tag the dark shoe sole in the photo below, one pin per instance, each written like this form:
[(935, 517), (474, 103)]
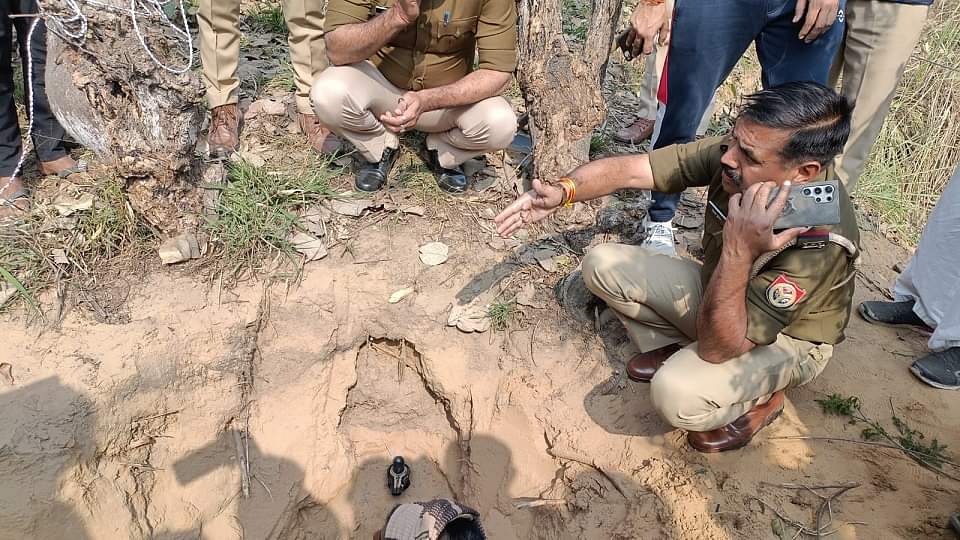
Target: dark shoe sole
[(740, 445)]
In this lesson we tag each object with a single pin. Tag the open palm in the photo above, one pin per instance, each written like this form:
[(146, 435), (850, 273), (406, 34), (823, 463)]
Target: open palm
[(532, 206)]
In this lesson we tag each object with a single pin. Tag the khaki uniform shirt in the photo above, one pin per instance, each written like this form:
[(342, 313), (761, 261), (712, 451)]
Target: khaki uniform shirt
[(439, 47), (792, 292)]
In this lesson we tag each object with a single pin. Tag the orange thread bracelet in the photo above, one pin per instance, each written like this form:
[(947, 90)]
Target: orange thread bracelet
[(569, 191)]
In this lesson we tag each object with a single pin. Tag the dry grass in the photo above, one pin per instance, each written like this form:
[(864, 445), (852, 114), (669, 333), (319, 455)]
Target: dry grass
[(919, 145)]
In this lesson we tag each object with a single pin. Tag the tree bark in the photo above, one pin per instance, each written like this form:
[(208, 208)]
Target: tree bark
[(113, 99), (561, 88)]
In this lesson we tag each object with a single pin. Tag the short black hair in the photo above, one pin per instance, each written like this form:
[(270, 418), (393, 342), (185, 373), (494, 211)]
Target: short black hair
[(463, 529), (818, 116)]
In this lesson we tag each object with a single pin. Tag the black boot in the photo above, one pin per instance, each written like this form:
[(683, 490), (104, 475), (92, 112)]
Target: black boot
[(373, 176), (449, 180)]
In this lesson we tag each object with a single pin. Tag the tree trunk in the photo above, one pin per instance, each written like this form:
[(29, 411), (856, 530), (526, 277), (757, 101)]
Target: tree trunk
[(113, 99), (562, 89)]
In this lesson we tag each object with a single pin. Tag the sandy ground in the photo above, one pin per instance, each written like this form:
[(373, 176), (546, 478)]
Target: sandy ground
[(137, 430)]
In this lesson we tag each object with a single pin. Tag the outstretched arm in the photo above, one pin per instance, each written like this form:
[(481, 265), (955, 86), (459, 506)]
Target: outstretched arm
[(592, 180)]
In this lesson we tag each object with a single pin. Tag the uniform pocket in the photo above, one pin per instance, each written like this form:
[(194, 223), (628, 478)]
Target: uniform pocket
[(455, 35)]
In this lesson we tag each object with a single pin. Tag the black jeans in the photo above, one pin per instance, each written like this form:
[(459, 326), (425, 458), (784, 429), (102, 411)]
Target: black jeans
[(707, 41), (48, 134)]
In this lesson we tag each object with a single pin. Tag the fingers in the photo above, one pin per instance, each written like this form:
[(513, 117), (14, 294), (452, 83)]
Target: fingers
[(798, 14), (749, 195), (787, 236), (515, 207), (776, 206), (828, 15), (665, 31), (734, 205), (808, 23), (762, 195), (510, 226)]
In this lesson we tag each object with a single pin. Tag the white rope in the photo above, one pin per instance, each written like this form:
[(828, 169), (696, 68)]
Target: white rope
[(26, 145), (137, 9)]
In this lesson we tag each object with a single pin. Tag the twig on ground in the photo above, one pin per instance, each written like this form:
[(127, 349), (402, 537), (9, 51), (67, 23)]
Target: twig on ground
[(892, 446), (819, 528), (533, 336), (589, 463), (242, 460)]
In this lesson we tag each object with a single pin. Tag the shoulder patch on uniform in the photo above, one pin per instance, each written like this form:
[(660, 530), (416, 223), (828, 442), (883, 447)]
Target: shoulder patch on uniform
[(783, 292)]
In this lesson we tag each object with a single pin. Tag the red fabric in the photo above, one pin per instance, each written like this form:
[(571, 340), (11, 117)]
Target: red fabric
[(662, 90)]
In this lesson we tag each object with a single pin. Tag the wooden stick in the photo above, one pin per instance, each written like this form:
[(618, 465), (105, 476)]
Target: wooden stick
[(242, 460)]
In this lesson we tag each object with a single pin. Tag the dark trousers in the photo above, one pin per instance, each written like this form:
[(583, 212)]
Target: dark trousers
[(708, 39), (48, 134)]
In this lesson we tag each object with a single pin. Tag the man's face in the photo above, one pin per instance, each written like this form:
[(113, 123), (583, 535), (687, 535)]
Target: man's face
[(753, 156)]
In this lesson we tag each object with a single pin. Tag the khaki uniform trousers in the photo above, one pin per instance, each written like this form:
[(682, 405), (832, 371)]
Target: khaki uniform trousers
[(350, 99), (219, 24), (657, 298), (880, 37)]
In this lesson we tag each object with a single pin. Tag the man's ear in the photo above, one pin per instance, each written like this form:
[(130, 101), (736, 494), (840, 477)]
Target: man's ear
[(807, 171)]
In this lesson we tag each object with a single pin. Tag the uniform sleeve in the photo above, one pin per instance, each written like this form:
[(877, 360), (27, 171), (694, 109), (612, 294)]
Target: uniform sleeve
[(680, 166), (497, 35), (778, 294), (341, 12)]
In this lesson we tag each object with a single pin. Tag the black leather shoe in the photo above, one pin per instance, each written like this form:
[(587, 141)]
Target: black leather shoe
[(449, 180), (373, 176)]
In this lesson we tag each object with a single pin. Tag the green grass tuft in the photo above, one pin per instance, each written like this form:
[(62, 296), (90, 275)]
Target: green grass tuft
[(501, 314), (257, 211), (267, 18)]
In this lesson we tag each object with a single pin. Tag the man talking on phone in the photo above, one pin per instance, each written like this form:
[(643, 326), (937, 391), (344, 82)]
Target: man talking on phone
[(721, 341), (401, 66)]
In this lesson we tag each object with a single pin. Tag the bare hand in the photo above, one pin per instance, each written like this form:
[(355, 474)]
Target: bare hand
[(405, 116), (820, 16), (646, 22), (748, 230), (407, 10), (532, 206)]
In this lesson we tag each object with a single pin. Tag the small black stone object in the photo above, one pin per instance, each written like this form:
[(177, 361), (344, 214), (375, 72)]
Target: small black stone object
[(398, 476)]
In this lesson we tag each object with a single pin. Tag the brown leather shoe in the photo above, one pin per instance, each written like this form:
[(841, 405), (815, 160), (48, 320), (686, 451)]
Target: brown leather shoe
[(62, 166), (740, 432), (321, 139), (224, 136), (636, 132), (643, 366)]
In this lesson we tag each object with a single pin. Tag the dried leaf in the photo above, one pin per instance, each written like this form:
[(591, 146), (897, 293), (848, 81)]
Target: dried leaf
[(67, 205), (400, 295), (434, 253), (251, 158), (6, 373), (60, 256), (351, 207), (311, 248), (179, 249), (265, 106), (469, 318)]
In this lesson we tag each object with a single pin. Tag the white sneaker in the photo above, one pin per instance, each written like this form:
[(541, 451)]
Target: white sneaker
[(659, 237)]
